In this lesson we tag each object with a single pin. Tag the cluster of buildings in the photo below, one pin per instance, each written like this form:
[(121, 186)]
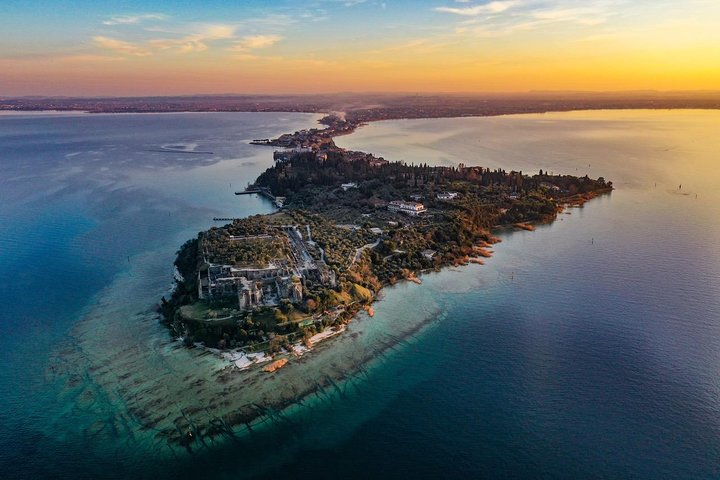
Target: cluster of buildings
[(447, 195), (549, 186), (370, 159), (283, 156), (321, 155), (253, 287), (313, 138), (281, 279), (415, 207), (409, 208)]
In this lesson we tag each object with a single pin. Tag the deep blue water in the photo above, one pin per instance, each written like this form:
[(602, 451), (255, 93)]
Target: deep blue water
[(589, 348), (81, 196)]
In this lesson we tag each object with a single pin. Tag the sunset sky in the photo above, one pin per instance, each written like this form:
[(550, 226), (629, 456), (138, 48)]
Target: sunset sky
[(171, 47)]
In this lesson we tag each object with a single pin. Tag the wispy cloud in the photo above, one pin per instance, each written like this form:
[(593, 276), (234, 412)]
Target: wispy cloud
[(274, 20), (315, 15), (133, 19), (253, 42), (189, 38), (484, 9), (198, 40), (502, 18), (120, 46), (581, 15)]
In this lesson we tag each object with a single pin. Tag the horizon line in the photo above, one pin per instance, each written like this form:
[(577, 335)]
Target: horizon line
[(370, 92)]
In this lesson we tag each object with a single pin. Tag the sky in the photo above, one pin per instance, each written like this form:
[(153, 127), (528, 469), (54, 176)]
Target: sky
[(169, 47)]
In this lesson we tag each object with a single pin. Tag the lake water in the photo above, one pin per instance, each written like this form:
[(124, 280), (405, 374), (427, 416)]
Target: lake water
[(589, 348)]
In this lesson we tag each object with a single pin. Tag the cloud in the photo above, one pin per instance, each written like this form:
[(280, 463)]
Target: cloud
[(133, 19), (487, 8), (273, 20), (198, 40), (503, 18), (215, 32), (180, 45), (120, 46), (193, 37), (252, 42), (583, 16), (316, 15), (341, 3), (186, 38)]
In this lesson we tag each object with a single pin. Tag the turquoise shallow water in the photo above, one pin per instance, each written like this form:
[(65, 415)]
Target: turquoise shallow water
[(586, 349)]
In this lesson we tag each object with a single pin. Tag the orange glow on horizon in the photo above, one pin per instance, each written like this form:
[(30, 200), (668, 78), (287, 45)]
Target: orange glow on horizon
[(580, 48)]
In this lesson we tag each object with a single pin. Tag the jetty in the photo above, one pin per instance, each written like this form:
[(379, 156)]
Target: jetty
[(264, 191)]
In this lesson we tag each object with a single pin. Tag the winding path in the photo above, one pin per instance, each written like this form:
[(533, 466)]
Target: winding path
[(359, 251)]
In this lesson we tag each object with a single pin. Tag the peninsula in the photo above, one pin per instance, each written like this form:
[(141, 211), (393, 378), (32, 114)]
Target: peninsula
[(348, 224)]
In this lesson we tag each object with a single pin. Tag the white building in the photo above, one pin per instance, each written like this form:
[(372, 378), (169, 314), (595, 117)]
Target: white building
[(550, 186), (429, 254), (348, 186), (447, 195), (409, 208)]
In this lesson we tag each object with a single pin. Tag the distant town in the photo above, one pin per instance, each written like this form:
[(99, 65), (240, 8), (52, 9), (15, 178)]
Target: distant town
[(366, 107)]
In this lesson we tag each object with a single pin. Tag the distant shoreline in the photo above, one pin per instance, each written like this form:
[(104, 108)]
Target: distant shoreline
[(367, 107), (359, 124)]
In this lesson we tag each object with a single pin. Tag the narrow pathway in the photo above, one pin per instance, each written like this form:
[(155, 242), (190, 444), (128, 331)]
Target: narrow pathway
[(359, 251)]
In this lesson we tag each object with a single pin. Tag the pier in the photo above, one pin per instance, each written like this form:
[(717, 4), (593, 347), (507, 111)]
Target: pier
[(264, 191)]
